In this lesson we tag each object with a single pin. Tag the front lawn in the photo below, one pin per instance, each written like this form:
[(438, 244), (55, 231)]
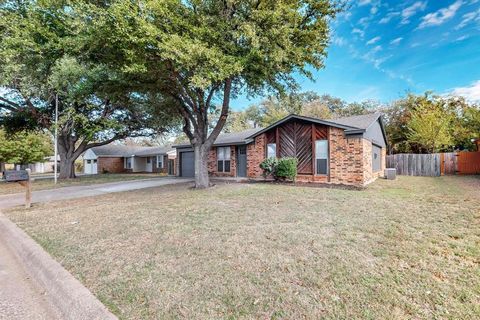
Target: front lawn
[(401, 249), (44, 183)]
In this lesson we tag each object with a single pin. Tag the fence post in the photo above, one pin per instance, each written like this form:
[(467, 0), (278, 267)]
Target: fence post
[(442, 164)]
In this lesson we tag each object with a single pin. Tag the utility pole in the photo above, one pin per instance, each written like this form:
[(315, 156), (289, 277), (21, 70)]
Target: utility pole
[(55, 164)]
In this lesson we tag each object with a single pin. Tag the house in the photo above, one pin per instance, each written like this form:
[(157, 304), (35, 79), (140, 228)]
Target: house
[(46, 166), (349, 150), (116, 158)]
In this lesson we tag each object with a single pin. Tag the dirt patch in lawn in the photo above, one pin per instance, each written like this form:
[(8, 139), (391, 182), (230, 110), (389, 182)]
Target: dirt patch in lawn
[(398, 250)]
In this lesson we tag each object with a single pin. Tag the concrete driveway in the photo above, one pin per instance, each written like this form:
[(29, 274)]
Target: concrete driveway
[(13, 200)]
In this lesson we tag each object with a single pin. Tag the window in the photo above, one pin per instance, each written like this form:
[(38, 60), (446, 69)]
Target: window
[(223, 159), (159, 161), (376, 158), (271, 150), (89, 161), (321, 156), (128, 163), (95, 161), (149, 160)]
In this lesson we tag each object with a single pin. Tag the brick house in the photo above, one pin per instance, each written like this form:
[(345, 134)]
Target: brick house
[(116, 158), (349, 150)]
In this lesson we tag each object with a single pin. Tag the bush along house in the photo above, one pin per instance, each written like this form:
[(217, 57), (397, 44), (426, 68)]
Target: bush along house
[(348, 151)]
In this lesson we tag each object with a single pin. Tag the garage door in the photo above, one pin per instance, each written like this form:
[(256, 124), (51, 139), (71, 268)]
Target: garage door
[(187, 166), (90, 166)]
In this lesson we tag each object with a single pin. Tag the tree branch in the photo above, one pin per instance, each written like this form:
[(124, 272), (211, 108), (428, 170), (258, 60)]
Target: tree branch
[(12, 106), (223, 113)]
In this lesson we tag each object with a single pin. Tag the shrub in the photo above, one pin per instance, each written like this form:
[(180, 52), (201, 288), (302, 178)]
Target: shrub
[(286, 168), (268, 166), (283, 168), (78, 165)]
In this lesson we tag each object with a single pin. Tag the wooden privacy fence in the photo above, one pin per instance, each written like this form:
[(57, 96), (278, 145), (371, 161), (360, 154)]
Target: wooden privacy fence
[(435, 164)]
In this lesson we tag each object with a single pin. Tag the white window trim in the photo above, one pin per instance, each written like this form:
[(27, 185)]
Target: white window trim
[(162, 164), (274, 144), (327, 158), (226, 156)]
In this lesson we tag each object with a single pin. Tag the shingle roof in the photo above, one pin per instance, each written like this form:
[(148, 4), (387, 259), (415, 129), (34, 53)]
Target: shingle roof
[(228, 138), (352, 123), (150, 151), (121, 150), (360, 122), (235, 137)]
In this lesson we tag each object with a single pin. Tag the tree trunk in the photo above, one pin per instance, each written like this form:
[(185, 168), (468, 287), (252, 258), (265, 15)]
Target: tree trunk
[(201, 166), (67, 167)]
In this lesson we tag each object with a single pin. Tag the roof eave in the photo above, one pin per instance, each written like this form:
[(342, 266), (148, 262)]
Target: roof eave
[(354, 131), (294, 116)]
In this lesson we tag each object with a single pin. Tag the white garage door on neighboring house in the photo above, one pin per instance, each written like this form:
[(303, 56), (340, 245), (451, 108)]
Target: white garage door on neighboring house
[(90, 166)]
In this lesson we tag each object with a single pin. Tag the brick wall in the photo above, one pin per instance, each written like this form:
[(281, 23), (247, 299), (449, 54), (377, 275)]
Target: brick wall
[(255, 155), (110, 164), (346, 158), (212, 163), (369, 175)]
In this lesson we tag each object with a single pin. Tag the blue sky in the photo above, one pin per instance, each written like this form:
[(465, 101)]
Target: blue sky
[(381, 49)]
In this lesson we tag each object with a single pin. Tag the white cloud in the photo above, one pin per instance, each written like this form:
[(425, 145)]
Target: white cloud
[(361, 33), (461, 38), (467, 18), (339, 41), (471, 92), (364, 2), (412, 10), (388, 17), (364, 21), (441, 16), (396, 41), (373, 40), (377, 49), (374, 10)]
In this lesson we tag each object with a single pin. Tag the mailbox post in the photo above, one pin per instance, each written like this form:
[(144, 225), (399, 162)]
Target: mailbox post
[(23, 178)]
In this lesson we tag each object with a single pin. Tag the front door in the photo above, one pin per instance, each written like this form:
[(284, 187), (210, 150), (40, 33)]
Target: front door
[(241, 161), (149, 166)]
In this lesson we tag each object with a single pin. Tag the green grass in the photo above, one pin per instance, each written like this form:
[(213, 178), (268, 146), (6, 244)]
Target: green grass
[(44, 184), (404, 249)]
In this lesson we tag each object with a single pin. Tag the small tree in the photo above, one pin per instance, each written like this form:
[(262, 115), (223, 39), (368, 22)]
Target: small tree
[(24, 148), (429, 127)]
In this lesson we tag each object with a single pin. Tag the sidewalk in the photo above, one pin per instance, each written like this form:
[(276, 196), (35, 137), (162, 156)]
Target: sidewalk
[(13, 200), (19, 298)]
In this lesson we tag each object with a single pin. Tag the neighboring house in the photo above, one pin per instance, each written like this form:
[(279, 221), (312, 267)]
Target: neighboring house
[(348, 151), (114, 158), (40, 167)]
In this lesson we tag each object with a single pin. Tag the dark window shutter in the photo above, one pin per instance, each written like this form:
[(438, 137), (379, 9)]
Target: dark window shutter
[(220, 166), (227, 165)]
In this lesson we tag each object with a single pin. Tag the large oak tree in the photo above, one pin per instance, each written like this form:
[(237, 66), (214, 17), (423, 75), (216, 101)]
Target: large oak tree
[(200, 54), (42, 61)]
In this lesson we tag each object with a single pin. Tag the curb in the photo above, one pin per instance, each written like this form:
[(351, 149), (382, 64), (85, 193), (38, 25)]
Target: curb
[(66, 294)]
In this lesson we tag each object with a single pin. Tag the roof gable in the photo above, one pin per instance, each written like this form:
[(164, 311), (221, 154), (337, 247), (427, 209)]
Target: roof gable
[(297, 117)]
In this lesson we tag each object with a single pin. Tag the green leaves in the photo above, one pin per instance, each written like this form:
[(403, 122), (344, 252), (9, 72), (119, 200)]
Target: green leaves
[(24, 148)]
